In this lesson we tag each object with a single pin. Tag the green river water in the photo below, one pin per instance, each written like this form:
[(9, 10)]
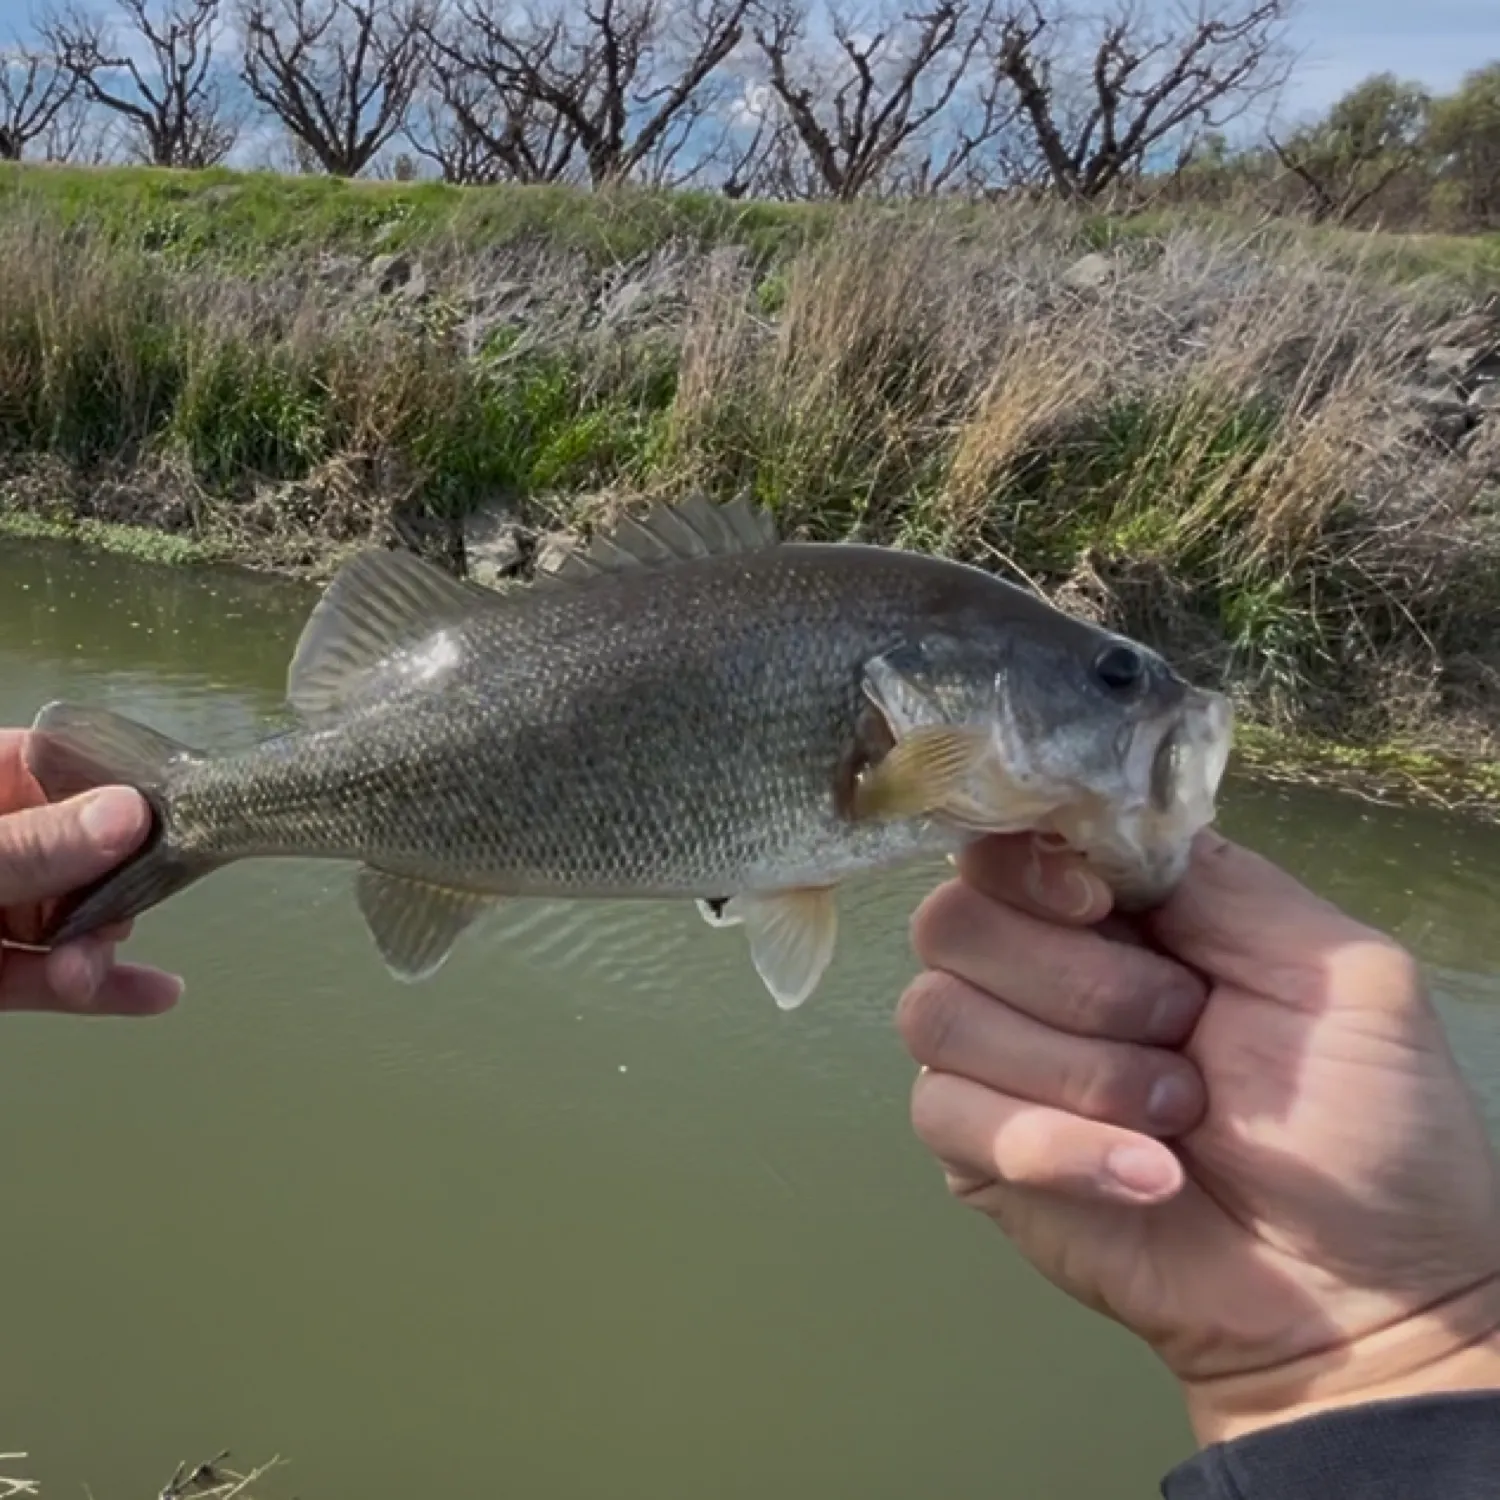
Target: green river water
[(526, 1231)]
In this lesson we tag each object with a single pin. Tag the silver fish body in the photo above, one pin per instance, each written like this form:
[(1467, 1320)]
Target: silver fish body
[(687, 710)]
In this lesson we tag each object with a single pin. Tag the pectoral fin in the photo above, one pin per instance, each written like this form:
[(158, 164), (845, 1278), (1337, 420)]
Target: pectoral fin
[(927, 769), (792, 936), (414, 924)]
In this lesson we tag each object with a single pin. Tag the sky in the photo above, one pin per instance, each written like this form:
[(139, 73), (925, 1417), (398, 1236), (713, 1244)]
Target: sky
[(1432, 42)]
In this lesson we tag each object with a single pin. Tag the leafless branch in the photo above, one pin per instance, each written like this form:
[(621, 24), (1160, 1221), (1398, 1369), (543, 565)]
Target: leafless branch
[(881, 90), (163, 87), (1150, 78), (33, 92), (610, 80), (478, 125), (340, 75)]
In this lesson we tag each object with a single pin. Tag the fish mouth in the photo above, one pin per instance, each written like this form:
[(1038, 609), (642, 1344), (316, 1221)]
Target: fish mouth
[(1187, 760), (1175, 765)]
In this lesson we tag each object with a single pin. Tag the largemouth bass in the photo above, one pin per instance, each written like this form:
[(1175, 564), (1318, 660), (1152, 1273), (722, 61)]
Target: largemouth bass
[(687, 708)]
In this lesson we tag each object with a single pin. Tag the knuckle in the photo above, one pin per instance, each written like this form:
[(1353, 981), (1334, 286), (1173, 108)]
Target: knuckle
[(932, 923), (929, 1115), (929, 1017), (1108, 1086), (1092, 995), (1022, 1149), (26, 851)]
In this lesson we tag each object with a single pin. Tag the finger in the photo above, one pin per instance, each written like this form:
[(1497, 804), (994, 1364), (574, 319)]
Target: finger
[(1023, 871), (47, 851), (17, 787), (985, 1135), (81, 979), (1231, 898), (1072, 980), (950, 1027)]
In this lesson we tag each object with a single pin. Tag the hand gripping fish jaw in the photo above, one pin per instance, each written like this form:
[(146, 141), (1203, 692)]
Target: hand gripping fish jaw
[(1123, 764)]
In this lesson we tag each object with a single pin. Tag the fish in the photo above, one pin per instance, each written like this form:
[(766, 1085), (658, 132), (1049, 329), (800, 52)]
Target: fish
[(684, 707)]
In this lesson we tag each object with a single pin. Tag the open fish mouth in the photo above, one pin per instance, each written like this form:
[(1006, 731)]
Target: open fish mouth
[(1187, 760), (1178, 765), (1174, 767)]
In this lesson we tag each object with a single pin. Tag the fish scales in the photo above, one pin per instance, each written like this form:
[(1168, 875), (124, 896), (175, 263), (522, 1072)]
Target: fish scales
[(685, 708), (672, 733)]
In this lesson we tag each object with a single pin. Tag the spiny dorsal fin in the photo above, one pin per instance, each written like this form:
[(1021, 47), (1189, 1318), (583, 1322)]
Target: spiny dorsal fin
[(414, 924), (378, 605), (695, 527)]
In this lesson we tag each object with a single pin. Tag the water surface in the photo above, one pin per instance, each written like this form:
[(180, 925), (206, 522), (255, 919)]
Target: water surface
[(522, 1231)]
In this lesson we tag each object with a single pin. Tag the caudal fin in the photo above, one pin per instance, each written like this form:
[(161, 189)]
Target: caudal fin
[(73, 749)]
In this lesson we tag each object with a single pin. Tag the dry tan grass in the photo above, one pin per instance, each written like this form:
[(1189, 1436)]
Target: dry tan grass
[(1217, 439)]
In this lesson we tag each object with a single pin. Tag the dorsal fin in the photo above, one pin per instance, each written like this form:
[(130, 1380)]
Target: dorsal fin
[(379, 605), (695, 527)]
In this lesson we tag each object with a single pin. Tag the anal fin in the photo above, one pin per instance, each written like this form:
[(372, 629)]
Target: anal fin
[(414, 924), (792, 937)]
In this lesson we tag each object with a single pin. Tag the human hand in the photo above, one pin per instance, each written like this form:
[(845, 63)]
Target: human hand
[(1327, 1230), (46, 851)]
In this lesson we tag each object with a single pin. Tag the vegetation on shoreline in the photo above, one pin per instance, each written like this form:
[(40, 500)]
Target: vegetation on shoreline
[(211, 1479), (1267, 451)]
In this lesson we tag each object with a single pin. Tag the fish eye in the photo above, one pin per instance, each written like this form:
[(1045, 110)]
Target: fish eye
[(1119, 667)]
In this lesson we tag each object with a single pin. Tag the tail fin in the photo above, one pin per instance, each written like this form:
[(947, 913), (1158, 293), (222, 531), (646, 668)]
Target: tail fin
[(74, 749)]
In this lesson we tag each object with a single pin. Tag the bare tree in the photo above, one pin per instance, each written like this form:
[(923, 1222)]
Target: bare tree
[(33, 93), (1151, 82), (163, 86), (881, 93), (614, 80), (478, 125), (340, 75)]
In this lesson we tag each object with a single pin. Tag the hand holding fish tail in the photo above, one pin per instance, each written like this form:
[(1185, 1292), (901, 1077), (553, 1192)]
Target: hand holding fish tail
[(47, 851), (1233, 1124)]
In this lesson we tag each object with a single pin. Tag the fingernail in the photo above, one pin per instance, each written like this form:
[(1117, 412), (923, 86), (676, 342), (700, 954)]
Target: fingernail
[(1085, 890), (1073, 893), (1140, 1171), (1171, 1102), (111, 817), (1174, 1014)]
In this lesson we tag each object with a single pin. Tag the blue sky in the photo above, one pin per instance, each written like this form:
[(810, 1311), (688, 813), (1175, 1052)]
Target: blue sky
[(1340, 42), (1434, 42)]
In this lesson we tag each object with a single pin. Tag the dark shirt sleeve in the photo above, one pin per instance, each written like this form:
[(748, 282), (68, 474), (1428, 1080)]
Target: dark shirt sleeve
[(1442, 1447)]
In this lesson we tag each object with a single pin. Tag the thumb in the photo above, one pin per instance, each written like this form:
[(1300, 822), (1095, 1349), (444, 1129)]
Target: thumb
[(1238, 917), (48, 851)]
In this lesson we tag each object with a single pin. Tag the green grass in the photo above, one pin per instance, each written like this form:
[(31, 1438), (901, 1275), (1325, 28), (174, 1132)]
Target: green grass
[(246, 218), (144, 543), (1390, 773), (1214, 451)]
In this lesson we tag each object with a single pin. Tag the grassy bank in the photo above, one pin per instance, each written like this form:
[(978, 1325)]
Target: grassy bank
[(1265, 451)]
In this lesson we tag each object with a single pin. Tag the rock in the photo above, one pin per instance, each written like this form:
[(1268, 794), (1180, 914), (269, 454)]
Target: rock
[(1090, 272), (551, 549), (396, 273), (623, 301), (494, 545), (1440, 415), (1485, 400), (1451, 361), (1465, 365), (1481, 451)]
